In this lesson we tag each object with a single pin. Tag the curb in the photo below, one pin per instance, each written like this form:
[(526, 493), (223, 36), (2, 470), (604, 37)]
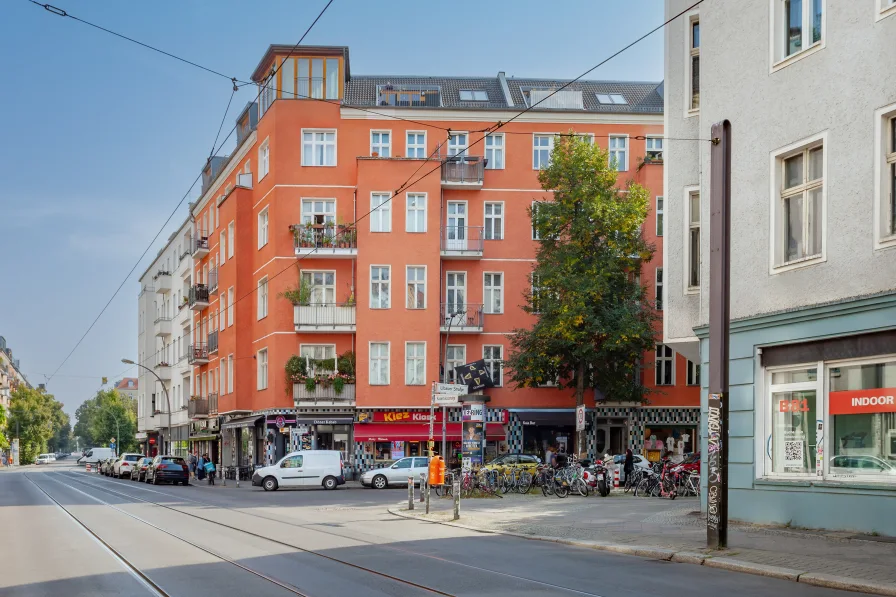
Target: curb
[(688, 557)]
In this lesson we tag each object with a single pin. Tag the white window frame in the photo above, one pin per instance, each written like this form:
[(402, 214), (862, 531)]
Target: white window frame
[(455, 148), (307, 160), (660, 216), (536, 160), (327, 350), (230, 301), (613, 152), (494, 217), (777, 158), (384, 150), (412, 213), (689, 227), (381, 213), (407, 284), (659, 283), (492, 364), (264, 159), (263, 298), (231, 234), (417, 360), (778, 34), (658, 152), (262, 369), (494, 148), (419, 150), (230, 373), (387, 285), (323, 293), (659, 360), (536, 235), (371, 360), (263, 220), (449, 371), (222, 312), (884, 159), (222, 241), (491, 288), (690, 52), (693, 373), (885, 8)]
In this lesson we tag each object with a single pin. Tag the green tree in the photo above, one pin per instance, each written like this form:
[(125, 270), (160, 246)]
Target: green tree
[(593, 323), (61, 439), (107, 415), (4, 441), (32, 420)]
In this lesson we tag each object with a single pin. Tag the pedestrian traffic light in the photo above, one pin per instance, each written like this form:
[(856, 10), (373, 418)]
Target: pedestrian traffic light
[(436, 471)]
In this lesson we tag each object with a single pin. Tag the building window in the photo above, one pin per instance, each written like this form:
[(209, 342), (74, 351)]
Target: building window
[(379, 363), (693, 373), (619, 153), (380, 212), (494, 221), (319, 357), (659, 289), (263, 228), (381, 144), (473, 95), (659, 216), (798, 26), (379, 286), (321, 287), (694, 64), (494, 363), (230, 374), (222, 241), (262, 359), (416, 144), (320, 212), (800, 204), (693, 240), (455, 357), (610, 99), (536, 233), (887, 180), (230, 298), (222, 311), (794, 410), (494, 152), (231, 234), (319, 148), (887, 8), (654, 149), (493, 291), (264, 159), (415, 218), (542, 146), (664, 367), (537, 292), (416, 283), (457, 144), (415, 363), (263, 298)]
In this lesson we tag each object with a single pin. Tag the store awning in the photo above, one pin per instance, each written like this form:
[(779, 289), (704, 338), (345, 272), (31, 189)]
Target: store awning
[(203, 438), (241, 422), (415, 432)]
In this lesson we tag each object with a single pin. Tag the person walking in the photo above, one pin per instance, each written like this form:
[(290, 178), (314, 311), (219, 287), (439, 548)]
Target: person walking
[(549, 456), (193, 462), (629, 466), (200, 468), (209, 469)]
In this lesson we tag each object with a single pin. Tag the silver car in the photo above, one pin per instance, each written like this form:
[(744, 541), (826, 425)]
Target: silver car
[(397, 474)]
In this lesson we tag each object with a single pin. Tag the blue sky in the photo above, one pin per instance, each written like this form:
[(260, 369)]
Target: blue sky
[(101, 138)]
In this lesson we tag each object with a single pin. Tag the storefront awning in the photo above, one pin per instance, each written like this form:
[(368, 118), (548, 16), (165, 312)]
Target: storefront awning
[(241, 422), (203, 438), (415, 432)]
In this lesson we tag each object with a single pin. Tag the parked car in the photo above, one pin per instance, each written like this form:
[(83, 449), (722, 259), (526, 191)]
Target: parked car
[(526, 461), (861, 464), (306, 468), (638, 460), (106, 466), (397, 474), (61, 455), (95, 455), (45, 459), (124, 466), (139, 471), (168, 469)]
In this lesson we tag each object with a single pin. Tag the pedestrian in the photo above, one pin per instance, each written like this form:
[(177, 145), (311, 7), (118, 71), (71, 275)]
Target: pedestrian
[(193, 462), (549, 456), (209, 469), (200, 468), (629, 464)]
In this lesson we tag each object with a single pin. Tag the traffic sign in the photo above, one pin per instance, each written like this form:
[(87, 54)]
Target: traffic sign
[(580, 417), (445, 399), (458, 389)]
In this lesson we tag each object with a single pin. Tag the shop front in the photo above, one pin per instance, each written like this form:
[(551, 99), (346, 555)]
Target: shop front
[(180, 441), (540, 430), (324, 432), (205, 438), (240, 443)]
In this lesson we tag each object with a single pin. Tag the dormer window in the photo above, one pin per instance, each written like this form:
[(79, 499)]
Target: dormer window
[(473, 95), (611, 98), (563, 99), (428, 96)]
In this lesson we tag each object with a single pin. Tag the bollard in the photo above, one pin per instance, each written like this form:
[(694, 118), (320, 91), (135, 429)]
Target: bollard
[(223, 478), (616, 478), (423, 484), (456, 492), (428, 491), (410, 493)]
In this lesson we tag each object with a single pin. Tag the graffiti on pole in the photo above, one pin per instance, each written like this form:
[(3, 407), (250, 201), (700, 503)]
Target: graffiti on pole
[(714, 461)]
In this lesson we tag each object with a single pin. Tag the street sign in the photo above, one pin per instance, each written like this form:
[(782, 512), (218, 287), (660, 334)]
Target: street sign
[(580, 417), (458, 389), (445, 399)]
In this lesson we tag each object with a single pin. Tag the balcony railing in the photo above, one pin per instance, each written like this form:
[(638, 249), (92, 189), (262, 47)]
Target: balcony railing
[(199, 297), (198, 354), (463, 172), (325, 317), (162, 326), (213, 403), (162, 281), (200, 245), (461, 318), (325, 241), (213, 341), (163, 370), (462, 242), (301, 394), (197, 408)]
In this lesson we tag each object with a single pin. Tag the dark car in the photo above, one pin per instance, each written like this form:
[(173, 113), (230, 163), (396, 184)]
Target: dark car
[(106, 466), (168, 469), (139, 473)]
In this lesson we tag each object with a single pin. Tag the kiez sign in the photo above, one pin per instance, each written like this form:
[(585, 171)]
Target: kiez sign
[(851, 402)]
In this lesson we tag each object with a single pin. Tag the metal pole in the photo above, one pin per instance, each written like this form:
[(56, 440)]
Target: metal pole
[(456, 492), (410, 492), (451, 317), (167, 398), (719, 328), (428, 491)]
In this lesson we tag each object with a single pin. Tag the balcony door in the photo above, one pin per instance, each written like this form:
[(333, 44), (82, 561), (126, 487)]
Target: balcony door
[(455, 298), (322, 287), (319, 221), (456, 226), (321, 358)]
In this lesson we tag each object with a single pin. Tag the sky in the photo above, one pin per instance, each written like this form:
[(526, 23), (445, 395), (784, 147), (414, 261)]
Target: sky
[(101, 138)]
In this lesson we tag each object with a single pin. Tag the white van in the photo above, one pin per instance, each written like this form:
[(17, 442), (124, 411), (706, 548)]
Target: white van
[(306, 468), (94, 455), (46, 459)]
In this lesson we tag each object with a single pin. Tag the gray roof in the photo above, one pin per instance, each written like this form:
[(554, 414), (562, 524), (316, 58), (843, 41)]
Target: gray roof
[(642, 97)]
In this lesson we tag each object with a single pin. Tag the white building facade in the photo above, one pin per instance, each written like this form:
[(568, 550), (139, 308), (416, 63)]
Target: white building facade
[(810, 90)]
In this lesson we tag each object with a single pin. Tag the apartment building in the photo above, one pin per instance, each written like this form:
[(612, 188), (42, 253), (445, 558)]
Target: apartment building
[(11, 375), (810, 90), (164, 330), (127, 387), (320, 333)]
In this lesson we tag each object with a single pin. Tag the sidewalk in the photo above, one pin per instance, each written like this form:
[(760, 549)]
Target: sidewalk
[(675, 530)]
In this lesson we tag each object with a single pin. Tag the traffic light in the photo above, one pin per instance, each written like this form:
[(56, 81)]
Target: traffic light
[(436, 471)]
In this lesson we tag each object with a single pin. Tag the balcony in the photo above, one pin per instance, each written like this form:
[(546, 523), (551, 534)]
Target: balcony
[(325, 317), (463, 172), (162, 282), (162, 327), (213, 403), (213, 281), (327, 242), (200, 246), (163, 370), (457, 318), (462, 242), (325, 394), (198, 354), (197, 408), (213, 342), (198, 299)]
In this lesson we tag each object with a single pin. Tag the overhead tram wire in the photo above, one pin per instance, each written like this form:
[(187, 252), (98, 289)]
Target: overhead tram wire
[(488, 131), (174, 211)]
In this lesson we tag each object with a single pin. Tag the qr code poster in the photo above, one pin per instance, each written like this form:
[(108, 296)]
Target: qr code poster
[(793, 454)]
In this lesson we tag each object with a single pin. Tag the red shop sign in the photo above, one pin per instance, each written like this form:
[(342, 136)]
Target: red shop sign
[(404, 416), (851, 402)]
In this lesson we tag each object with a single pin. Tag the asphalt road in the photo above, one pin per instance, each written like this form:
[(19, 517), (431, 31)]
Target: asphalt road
[(70, 533)]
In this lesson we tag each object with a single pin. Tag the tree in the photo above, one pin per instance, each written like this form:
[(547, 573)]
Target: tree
[(593, 323), (61, 439), (4, 441), (107, 415), (31, 419)]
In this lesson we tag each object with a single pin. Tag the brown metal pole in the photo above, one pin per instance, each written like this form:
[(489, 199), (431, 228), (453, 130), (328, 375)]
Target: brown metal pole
[(719, 322)]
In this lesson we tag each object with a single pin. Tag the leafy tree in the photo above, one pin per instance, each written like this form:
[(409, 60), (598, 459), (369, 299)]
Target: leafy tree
[(107, 415), (31, 417), (4, 441), (593, 323)]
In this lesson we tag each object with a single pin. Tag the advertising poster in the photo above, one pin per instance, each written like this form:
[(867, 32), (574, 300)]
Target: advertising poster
[(397, 450), (472, 441)]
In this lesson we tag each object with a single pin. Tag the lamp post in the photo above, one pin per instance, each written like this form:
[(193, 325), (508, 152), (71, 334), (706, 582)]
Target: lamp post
[(167, 398), (117, 428), (451, 316)]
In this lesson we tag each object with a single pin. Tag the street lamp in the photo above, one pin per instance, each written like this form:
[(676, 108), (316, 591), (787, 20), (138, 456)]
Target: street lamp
[(167, 398)]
